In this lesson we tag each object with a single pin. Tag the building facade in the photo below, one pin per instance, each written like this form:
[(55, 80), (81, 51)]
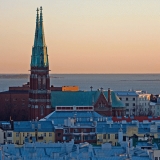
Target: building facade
[(136, 102)]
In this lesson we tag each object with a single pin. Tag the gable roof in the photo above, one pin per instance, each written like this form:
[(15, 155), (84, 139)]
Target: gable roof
[(81, 98)]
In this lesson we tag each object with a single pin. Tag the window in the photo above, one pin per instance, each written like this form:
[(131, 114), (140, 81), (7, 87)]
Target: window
[(116, 136), (44, 82), (39, 82), (42, 111), (59, 134), (126, 99), (77, 137), (134, 104), (27, 134), (84, 130), (86, 137), (75, 130), (9, 141), (104, 136), (17, 134), (156, 158), (17, 141), (126, 104), (108, 136), (44, 134), (65, 131), (134, 99), (92, 130), (9, 134), (50, 134)]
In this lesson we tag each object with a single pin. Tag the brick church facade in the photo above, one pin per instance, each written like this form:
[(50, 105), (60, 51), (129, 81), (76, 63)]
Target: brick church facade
[(37, 99)]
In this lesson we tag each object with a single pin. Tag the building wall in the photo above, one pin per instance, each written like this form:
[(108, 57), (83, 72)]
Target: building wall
[(19, 137), (130, 104), (70, 88), (47, 137), (14, 105), (102, 106), (131, 131), (78, 134), (143, 104), (1, 136), (108, 137), (157, 110)]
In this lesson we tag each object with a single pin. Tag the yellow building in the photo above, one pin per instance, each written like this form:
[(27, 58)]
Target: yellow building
[(112, 133), (32, 131), (109, 137)]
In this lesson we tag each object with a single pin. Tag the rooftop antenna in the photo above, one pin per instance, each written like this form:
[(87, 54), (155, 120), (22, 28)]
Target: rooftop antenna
[(91, 88)]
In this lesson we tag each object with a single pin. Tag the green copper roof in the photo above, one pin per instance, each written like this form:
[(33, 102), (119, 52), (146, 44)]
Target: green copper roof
[(81, 98), (39, 51)]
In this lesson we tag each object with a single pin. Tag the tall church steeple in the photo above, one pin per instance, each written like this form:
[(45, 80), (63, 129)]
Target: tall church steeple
[(39, 94), (37, 27)]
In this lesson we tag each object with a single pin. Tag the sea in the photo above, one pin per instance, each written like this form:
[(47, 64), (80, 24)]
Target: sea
[(118, 82)]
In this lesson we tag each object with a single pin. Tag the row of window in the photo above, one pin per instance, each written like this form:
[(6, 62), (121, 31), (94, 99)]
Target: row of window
[(28, 134), (109, 136), (41, 82), (79, 130), (127, 104), (14, 99), (128, 99), (86, 137)]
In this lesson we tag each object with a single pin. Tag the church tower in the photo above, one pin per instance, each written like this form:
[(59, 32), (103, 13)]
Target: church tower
[(39, 94)]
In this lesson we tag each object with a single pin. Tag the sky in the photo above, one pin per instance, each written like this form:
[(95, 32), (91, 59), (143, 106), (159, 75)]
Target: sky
[(83, 36)]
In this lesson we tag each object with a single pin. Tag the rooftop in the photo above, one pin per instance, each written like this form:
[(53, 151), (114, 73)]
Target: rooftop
[(81, 98)]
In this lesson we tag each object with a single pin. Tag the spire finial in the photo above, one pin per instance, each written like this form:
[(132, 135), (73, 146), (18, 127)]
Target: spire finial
[(37, 15), (41, 17)]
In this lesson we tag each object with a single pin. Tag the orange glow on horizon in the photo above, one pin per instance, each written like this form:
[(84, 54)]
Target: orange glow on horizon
[(118, 36)]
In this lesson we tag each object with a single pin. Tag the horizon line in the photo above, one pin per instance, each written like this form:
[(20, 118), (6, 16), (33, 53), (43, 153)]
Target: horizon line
[(78, 73)]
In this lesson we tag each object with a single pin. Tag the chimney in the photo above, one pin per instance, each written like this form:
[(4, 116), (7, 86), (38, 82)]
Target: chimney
[(109, 96)]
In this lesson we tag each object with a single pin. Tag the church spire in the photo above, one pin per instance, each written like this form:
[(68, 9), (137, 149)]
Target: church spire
[(37, 26), (39, 93), (41, 36), (39, 51)]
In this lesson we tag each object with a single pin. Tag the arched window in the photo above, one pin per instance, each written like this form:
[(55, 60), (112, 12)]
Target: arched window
[(44, 82), (42, 110), (39, 82)]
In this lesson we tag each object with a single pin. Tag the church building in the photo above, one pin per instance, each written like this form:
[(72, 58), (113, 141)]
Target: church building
[(37, 99)]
